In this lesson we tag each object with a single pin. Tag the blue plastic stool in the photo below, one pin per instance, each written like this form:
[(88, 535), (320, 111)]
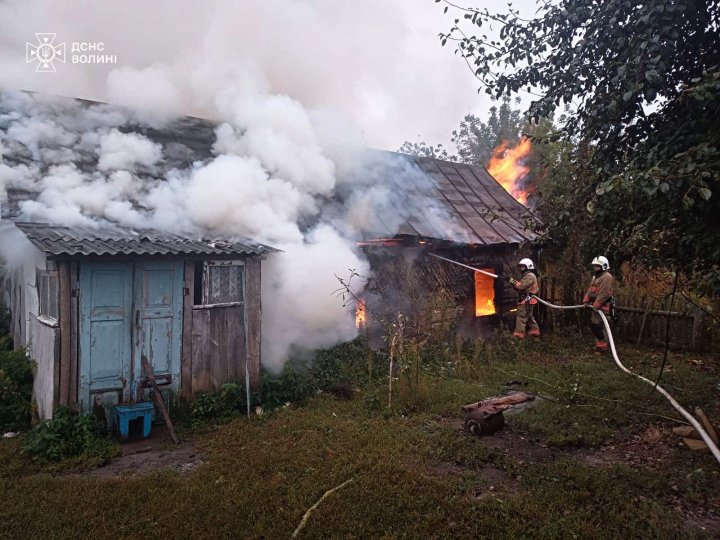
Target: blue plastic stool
[(125, 413)]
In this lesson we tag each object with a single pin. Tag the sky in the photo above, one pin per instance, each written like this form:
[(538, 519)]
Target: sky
[(377, 63)]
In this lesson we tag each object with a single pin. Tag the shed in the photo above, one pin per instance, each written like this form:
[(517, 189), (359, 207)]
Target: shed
[(91, 302)]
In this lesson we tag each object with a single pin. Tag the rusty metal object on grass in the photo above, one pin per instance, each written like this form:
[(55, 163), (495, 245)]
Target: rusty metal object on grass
[(486, 417), (511, 399), (484, 420)]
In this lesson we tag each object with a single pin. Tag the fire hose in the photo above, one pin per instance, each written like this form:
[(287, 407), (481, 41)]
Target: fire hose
[(698, 427)]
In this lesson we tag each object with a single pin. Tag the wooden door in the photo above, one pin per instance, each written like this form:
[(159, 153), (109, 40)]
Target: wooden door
[(105, 332)]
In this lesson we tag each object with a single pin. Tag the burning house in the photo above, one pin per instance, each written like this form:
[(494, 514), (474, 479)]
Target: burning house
[(103, 265), (475, 221)]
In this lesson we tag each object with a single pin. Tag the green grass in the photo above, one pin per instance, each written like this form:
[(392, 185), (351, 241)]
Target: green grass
[(415, 476)]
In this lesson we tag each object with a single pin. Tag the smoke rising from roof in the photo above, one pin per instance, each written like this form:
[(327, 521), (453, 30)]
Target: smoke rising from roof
[(286, 82), (265, 176)]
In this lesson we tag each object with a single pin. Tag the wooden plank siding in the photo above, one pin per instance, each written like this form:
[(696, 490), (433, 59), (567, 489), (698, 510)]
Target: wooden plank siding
[(214, 344), (218, 347), (45, 351), (187, 341), (64, 310), (74, 342), (254, 318)]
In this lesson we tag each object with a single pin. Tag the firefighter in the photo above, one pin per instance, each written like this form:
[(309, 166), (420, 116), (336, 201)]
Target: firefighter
[(599, 297), (526, 287)]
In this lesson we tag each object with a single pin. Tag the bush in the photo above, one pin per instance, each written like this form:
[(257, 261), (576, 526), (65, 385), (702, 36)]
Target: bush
[(346, 363), (291, 385), (68, 434), (205, 406), (16, 379), (230, 401)]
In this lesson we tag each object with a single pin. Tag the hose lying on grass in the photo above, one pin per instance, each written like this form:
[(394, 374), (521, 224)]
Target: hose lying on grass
[(704, 434)]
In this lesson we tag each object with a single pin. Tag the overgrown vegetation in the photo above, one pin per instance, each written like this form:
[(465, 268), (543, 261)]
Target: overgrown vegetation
[(344, 366), (68, 435), (415, 475), (16, 379)]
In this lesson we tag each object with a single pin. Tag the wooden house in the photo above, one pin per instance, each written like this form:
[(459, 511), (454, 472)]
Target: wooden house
[(475, 221), (91, 302)]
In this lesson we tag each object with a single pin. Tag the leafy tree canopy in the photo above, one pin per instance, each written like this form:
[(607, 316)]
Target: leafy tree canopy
[(642, 80)]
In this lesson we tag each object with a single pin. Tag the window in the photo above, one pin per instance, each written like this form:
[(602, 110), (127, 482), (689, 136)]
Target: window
[(48, 295), (223, 282)]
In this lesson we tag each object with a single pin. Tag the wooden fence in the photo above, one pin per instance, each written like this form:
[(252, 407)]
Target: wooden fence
[(641, 319)]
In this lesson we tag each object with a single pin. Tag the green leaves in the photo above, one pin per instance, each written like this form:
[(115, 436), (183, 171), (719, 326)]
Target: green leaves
[(648, 175), (705, 193)]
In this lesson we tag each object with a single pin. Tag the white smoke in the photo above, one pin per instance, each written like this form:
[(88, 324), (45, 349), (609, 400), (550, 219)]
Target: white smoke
[(285, 80), (300, 310), (378, 61), (270, 180), (125, 151), (269, 176)]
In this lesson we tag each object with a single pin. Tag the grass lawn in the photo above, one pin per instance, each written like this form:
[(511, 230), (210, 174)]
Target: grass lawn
[(597, 461)]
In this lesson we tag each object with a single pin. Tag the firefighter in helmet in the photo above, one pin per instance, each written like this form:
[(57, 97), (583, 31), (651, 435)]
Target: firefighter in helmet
[(600, 297), (526, 287)]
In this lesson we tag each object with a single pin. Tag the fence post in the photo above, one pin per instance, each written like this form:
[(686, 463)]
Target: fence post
[(696, 341), (642, 323)]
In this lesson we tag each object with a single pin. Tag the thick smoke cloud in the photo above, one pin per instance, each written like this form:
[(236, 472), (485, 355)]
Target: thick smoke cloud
[(268, 178), (378, 61), (286, 81)]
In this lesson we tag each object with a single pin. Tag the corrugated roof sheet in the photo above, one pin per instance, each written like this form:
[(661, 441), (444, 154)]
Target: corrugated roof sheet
[(68, 241)]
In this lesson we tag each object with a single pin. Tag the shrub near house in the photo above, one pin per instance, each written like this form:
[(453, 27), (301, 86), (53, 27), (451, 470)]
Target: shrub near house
[(16, 379)]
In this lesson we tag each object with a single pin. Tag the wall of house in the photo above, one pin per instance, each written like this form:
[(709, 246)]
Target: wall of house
[(21, 262), (45, 351), (406, 273), (20, 296), (219, 340)]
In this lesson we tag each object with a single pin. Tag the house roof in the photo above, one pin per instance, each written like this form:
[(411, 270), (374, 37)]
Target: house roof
[(467, 204), (481, 211), (57, 240)]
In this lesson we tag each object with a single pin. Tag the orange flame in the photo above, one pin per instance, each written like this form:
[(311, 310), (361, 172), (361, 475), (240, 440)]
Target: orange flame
[(507, 168), (360, 315), (484, 295)]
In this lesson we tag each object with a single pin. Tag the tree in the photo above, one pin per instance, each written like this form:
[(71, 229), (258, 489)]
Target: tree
[(643, 81), (422, 149), (476, 140)]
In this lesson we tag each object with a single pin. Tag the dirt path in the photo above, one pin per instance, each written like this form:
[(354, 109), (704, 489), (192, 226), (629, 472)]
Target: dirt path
[(152, 454)]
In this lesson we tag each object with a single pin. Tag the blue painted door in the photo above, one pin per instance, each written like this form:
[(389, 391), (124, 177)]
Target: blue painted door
[(158, 317), (127, 310), (105, 332)]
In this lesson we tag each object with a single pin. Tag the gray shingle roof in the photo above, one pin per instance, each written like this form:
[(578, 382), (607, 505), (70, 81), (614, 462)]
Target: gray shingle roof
[(67, 241), (478, 205)]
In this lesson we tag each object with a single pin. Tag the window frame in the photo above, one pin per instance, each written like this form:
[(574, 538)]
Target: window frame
[(207, 265), (44, 283)]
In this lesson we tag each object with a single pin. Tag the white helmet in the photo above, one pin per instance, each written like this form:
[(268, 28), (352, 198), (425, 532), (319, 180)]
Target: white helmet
[(601, 261), (528, 263)]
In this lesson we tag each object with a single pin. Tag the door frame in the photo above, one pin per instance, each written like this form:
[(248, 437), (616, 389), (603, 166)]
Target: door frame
[(133, 347)]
